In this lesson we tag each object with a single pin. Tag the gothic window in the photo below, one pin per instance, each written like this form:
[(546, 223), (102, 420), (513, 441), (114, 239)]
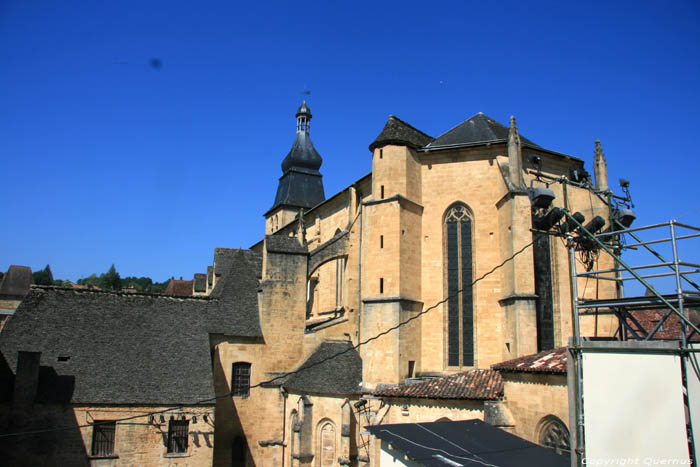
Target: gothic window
[(459, 276), (554, 434), (240, 379), (326, 445), (544, 305)]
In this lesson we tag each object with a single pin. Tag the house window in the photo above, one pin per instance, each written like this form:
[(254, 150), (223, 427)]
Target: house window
[(458, 267), (103, 438), (240, 384), (177, 436)]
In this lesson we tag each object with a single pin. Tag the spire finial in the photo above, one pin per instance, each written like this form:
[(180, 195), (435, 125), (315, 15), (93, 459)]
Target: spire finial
[(600, 167)]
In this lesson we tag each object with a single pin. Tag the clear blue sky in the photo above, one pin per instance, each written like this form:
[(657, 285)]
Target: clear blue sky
[(106, 159)]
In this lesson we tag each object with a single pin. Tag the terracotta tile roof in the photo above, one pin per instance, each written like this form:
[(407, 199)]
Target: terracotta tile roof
[(472, 384), (178, 287), (548, 361), (671, 329)]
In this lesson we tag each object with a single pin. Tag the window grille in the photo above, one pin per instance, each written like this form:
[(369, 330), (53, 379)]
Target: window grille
[(177, 436), (240, 384), (103, 437)]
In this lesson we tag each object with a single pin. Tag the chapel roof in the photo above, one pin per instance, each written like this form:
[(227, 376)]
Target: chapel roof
[(476, 130), (472, 384), (548, 361), (326, 374)]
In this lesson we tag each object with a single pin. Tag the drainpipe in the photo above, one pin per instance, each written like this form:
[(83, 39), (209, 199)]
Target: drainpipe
[(284, 421)]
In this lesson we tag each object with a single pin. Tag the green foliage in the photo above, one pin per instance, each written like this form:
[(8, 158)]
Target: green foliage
[(111, 280), (43, 277)]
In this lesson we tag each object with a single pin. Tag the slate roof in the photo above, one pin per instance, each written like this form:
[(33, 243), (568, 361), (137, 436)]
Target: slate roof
[(478, 129), (548, 361), (470, 443), (339, 375), (16, 282), (178, 287), (133, 348), (396, 131), (472, 384), (200, 282), (284, 244)]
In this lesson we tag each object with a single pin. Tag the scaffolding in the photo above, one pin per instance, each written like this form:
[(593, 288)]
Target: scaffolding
[(664, 285), (673, 298)]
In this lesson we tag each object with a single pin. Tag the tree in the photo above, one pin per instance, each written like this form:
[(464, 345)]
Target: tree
[(110, 280), (43, 277)]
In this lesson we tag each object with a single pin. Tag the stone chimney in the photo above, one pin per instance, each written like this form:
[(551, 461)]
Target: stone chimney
[(26, 379)]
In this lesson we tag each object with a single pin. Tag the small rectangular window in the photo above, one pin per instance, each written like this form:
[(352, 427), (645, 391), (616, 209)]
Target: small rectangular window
[(381, 153), (178, 431), (381, 285), (381, 241), (411, 368), (240, 380), (382, 197), (103, 438)]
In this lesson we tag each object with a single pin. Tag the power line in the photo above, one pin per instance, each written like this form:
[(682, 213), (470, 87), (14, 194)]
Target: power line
[(284, 375)]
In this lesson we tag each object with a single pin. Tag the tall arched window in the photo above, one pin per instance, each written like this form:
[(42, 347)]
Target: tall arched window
[(459, 276), (325, 445)]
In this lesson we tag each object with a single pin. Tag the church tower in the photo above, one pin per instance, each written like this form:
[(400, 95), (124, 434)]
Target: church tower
[(301, 184)]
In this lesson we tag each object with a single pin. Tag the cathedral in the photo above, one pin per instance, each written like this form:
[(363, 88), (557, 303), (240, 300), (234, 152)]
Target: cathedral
[(422, 292)]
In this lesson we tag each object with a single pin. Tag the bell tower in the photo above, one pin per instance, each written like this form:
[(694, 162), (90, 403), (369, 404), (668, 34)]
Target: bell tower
[(301, 184)]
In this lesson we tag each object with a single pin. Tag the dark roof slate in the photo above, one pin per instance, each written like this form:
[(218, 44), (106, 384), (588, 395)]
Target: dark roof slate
[(548, 361), (338, 375), (200, 282), (16, 282), (472, 384), (470, 443), (479, 129), (284, 244), (398, 132), (134, 348)]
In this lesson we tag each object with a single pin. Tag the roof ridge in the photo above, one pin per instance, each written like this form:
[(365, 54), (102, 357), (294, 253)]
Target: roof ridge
[(461, 123), (58, 288)]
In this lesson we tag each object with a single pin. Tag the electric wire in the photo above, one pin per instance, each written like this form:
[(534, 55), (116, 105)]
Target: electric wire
[(285, 375)]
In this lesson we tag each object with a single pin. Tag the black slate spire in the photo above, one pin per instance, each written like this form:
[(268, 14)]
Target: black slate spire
[(301, 184)]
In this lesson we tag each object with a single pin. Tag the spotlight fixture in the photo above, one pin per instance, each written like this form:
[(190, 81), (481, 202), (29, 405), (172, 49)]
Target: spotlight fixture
[(360, 403), (594, 225), (624, 216), (624, 183), (536, 160), (569, 225), (541, 197), (549, 220)]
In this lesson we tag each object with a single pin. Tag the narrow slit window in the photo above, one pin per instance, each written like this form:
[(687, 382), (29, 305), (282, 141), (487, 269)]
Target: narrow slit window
[(381, 153), (382, 196), (381, 241), (381, 285)]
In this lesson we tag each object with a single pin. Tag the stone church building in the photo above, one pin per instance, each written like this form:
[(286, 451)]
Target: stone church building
[(418, 293)]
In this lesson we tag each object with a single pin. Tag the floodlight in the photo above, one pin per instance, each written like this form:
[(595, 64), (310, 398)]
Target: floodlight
[(595, 225), (569, 225), (550, 219), (578, 175), (541, 197), (624, 183), (624, 216)]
